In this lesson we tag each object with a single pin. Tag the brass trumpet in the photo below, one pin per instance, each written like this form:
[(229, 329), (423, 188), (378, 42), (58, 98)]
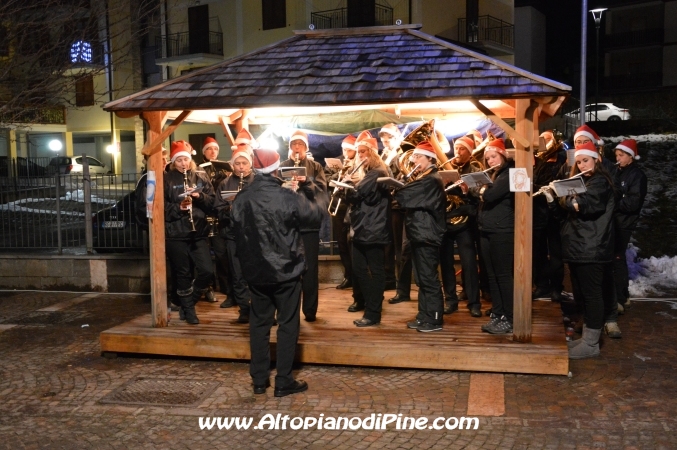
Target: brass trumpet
[(551, 147)]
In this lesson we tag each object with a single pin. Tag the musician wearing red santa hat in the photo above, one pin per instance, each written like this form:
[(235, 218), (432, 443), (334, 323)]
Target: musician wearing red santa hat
[(314, 182), (630, 184)]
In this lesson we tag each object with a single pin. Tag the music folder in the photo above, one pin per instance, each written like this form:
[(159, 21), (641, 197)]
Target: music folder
[(390, 182), (288, 173), (219, 165), (476, 179), (333, 163), (449, 176), (334, 183), (570, 186), (190, 191)]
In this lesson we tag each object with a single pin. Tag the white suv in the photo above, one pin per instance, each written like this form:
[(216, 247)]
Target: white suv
[(601, 112)]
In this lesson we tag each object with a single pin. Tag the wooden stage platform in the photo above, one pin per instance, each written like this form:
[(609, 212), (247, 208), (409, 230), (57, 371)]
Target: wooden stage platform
[(333, 339)]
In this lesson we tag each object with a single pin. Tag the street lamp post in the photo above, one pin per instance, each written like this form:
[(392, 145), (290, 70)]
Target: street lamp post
[(584, 60), (597, 15)]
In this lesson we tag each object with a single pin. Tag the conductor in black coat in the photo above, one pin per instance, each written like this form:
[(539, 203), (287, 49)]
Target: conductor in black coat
[(369, 209), (267, 222), (425, 204)]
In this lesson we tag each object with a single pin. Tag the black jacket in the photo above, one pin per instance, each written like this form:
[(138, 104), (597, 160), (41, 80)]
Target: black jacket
[(496, 213), (314, 186), (267, 219), (223, 207), (370, 209), (177, 221), (588, 235), (424, 203), (630, 183), (544, 173)]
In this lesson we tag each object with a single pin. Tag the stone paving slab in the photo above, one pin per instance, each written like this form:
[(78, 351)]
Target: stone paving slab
[(53, 378)]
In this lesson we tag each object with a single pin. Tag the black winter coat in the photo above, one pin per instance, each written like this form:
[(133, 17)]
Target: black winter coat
[(315, 184), (496, 213), (588, 235), (424, 203), (267, 219), (370, 210), (223, 207), (177, 221), (631, 184)]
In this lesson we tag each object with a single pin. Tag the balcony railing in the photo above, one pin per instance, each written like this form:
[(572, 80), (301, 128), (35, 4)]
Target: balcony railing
[(178, 44), (43, 115), (338, 18), (636, 38), (487, 29)]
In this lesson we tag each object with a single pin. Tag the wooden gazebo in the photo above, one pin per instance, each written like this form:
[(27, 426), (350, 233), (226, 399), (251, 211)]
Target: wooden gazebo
[(396, 69)]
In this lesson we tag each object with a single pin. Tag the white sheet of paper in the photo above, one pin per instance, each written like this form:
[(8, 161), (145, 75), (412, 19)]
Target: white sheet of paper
[(519, 180), (569, 186), (333, 163)]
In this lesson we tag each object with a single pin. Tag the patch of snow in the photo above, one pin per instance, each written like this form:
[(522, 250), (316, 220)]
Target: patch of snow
[(650, 275)]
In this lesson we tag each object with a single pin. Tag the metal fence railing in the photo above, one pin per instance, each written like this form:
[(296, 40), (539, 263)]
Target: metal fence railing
[(57, 211)]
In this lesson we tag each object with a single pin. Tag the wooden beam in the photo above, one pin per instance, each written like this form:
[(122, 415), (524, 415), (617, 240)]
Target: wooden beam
[(156, 145), (501, 123), (236, 115), (550, 105), (525, 122), (226, 131), (156, 225), (243, 121), (127, 114)]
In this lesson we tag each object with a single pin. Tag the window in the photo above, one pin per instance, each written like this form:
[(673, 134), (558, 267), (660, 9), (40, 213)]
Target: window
[(274, 14), (94, 162), (81, 52), (4, 41), (84, 91)]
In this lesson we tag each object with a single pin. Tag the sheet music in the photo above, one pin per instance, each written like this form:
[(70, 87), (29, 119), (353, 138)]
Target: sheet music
[(390, 182), (333, 163), (569, 186), (287, 173), (449, 176), (476, 179)]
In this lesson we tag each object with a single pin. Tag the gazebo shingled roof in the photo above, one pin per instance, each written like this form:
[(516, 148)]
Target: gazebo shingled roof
[(345, 67)]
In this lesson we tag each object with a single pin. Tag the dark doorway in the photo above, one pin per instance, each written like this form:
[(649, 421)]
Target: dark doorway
[(361, 13)]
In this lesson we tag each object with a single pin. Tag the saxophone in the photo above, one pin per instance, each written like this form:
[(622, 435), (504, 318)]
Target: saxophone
[(188, 199)]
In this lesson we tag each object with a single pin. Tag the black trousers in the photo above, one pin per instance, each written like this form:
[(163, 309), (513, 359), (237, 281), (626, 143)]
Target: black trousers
[(239, 287), (621, 241), (595, 287), (430, 299), (498, 251), (284, 298), (404, 275), (484, 277), (309, 279), (393, 251), (466, 251), (222, 270), (184, 256), (341, 231), (369, 278), (547, 265)]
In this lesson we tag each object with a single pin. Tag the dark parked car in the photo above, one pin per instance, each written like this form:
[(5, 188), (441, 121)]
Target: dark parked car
[(24, 167), (116, 229)]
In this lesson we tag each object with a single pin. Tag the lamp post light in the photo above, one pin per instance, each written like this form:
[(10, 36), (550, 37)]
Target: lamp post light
[(113, 149), (55, 145), (597, 15)]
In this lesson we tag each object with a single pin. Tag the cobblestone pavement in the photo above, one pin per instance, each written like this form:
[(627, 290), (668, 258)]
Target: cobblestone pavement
[(53, 381)]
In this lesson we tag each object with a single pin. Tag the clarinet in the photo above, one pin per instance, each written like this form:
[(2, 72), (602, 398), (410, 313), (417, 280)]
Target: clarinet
[(190, 199)]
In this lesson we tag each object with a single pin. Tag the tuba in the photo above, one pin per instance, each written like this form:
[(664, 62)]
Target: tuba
[(551, 147), (478, 153)]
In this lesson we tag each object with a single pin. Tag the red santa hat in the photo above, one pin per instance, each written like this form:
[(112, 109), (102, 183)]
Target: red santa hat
[(390, 129), (365, 138), (465, 141), (348, 142), (425, 148), (476, 136), (180, 148), (299, 135), (548, 136), (587, 149), (588, 132), (265, 161), (243, 154), (629, 146), (209, 142), (497, 145), (244, 137)]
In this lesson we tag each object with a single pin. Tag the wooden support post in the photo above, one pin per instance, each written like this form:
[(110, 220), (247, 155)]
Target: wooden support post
[(525, 118), (158, 270), (226, 131)]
